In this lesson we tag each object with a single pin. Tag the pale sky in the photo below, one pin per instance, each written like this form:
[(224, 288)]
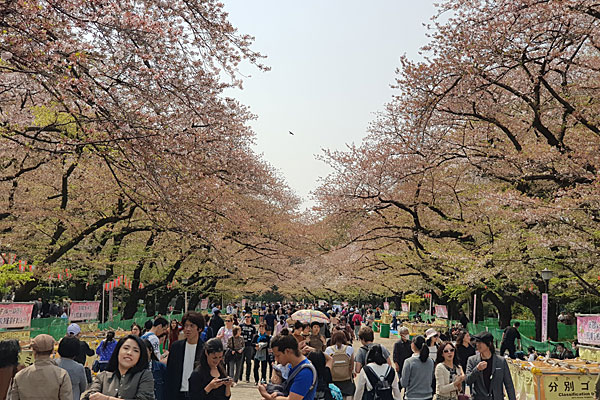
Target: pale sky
[(332, 63)]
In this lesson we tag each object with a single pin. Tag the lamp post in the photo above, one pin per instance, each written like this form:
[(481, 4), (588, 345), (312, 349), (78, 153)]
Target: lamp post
[(102, 274), (185, 299), (546, 276)]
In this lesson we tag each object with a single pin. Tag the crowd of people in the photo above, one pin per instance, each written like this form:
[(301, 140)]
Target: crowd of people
[(203, 357)]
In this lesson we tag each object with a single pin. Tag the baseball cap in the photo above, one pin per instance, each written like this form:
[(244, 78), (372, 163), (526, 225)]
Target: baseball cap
[(484, 336), (73, 329), (42, 343)]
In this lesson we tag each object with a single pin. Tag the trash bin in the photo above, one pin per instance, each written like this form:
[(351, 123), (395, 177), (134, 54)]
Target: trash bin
[(255, 316), (385, 331), (376, 325)]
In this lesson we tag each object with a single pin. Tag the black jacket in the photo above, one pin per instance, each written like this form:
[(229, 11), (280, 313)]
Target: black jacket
[(402, 351), (84, 351), (175, 366)]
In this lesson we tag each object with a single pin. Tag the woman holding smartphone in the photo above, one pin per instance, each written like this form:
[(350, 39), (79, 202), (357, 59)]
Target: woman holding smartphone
[(210, 381)]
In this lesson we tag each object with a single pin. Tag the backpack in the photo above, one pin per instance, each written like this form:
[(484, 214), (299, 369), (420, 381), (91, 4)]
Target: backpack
[(340, 371), (382, 385), (288, 382)]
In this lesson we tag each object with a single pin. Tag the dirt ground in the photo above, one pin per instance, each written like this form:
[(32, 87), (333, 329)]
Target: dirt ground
[(248, 391)]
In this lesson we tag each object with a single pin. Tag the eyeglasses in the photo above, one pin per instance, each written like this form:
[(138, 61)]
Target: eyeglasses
[(247, 316), (450, 350)]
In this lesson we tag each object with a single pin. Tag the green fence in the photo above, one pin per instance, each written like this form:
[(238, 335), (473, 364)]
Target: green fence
[(527, 330)]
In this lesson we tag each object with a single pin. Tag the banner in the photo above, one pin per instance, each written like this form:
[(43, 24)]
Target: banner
[(22, 336), (204, 304), (575, 387), (243, 303), (405, 307), (441, 311), (544, 317), (386, 306), (84, 310), (345, 303), (15, 315), (588, 329)]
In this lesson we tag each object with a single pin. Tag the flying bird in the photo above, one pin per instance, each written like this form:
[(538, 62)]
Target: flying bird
[(291, 133)]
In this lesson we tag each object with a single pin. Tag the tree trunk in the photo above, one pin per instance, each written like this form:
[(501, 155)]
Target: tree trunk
[(504, 309)]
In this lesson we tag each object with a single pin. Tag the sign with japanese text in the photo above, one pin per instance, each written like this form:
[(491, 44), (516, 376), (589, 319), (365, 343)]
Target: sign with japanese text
[(15, 315), (204, 304), (544, 317), (386, 305), (84, 310), (243, 303), (573, 387), (588, 329), (22, 336), (441, 311), (405, 307)]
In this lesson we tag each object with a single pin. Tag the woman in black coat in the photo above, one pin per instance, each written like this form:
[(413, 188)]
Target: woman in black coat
[(209, 381)]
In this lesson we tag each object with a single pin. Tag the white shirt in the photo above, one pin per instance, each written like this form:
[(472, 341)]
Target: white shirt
[(151, 336), (331, 349), (189, 356), (363, 383), (227, 333)]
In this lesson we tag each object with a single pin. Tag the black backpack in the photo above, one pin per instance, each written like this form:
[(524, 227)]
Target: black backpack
[(382, 386)]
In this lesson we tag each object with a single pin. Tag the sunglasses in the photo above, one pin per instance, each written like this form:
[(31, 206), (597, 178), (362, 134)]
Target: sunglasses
[(247, 316), (449, 350)]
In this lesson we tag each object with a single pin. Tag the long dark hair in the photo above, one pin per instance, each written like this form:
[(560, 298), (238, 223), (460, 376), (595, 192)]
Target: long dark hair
[(9, 353), (110, 336), (375, 355), (460, 338), (419, 343), (317, 358), (151, 349), (213, 345), (440, 354), (113, 363)]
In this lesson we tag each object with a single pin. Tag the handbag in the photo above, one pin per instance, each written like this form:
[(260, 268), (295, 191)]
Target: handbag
[(229, 356), (96, 366), (463, 396)]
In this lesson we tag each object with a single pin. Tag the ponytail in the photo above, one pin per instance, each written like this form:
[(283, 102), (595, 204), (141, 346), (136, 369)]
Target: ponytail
[(110, 336), (419, 343)]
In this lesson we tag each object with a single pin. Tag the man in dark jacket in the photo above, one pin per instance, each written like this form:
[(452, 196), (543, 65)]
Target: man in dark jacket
[(216, 322), (402, 351), (180, 367), (487, 372)]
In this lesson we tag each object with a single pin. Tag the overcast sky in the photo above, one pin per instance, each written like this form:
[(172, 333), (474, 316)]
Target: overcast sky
[(332, 63)]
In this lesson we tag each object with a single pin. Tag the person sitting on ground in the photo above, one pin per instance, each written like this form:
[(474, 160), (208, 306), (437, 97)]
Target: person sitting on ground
[(44, 379), (532, 354), (68, 348), (366, 337), (561, 352)]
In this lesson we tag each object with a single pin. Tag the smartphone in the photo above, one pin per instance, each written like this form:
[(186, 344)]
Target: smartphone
[(227, 379)]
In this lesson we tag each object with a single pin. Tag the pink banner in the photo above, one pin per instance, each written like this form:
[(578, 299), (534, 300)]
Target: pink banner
[(441, 312), (84, 310), (386, 305), (243, 303), (544, 317), (405, 307), (15, 315), (204, 304), (588, 329)]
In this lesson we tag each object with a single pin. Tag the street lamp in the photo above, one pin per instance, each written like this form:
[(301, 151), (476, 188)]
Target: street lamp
[(185, 299), (546, 276)]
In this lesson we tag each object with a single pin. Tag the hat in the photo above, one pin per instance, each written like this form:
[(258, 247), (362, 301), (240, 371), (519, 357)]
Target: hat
[(429, 333), (73, 329), (42, 343), (484, 337)]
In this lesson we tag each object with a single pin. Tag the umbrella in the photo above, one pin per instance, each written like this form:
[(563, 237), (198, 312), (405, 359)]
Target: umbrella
[(310, 316)]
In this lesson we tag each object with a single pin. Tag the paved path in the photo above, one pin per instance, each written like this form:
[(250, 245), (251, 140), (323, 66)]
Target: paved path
[(247, 391)]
